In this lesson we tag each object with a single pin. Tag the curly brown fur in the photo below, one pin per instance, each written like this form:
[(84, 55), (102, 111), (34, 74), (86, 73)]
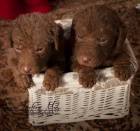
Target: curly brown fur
[(99, 41), (36, 46)]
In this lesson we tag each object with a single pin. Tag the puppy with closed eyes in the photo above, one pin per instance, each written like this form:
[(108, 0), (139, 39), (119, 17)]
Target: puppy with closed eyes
[(98, 38)]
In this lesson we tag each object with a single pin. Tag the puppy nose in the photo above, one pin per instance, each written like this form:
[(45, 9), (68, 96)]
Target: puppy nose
[(86, 58), (27, 69)]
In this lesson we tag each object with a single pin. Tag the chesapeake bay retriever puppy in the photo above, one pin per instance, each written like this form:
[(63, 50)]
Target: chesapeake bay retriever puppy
[(98, 37), (36, 46)]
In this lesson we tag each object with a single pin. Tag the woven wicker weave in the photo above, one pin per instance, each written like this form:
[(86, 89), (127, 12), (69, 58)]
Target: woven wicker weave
[(108, 99)]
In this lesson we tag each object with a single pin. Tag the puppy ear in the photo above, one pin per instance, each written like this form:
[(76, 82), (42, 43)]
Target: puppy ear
[(121, 36), (57, 33)]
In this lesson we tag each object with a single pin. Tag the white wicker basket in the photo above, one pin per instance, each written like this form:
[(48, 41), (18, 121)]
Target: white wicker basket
[(108, 99)]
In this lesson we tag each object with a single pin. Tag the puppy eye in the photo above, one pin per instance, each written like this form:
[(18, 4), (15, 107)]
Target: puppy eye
[(79, 37), (39, 49), (102, 40)]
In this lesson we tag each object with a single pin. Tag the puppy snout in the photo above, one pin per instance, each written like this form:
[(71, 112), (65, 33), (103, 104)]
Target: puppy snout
[(27, 69), (86, 59)]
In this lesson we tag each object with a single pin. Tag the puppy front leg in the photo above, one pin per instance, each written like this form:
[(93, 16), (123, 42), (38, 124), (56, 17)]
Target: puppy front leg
[(121, 67), (51, 77), (87, 75)]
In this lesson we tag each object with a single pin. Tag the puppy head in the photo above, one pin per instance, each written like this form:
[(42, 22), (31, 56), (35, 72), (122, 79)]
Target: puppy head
[(98, 34), (34, 39)]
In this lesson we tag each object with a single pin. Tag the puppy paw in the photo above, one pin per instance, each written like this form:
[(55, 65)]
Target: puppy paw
[(123, 73), (51, 82), (23, 80), (87, 78)]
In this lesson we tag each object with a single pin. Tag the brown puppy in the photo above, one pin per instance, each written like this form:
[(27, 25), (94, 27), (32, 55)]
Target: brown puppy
[(36, 46), (98, 41)]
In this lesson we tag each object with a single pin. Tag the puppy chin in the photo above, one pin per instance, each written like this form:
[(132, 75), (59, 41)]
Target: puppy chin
[(35, 71)]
